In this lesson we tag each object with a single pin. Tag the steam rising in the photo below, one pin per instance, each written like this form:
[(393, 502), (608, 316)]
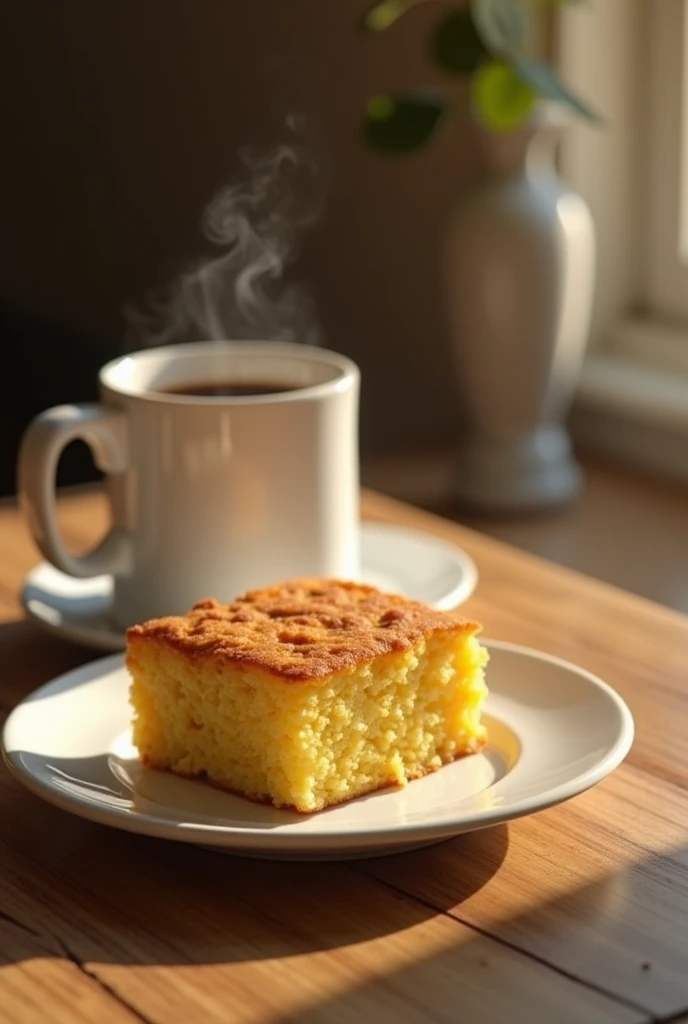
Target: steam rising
[(241, 294)]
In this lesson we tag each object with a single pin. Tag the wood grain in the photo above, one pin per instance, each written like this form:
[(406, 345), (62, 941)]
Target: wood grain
[(597, 888), (185, 934), (39, 983), (576, 914)]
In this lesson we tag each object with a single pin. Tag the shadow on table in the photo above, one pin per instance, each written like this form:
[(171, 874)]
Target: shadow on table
[(622, 939), (108, 896), (110, 900)]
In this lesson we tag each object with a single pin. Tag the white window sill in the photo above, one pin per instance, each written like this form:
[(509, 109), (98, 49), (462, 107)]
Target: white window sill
[(632, 400)]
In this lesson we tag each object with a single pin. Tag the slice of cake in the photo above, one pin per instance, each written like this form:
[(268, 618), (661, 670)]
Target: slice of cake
[(307, 693)]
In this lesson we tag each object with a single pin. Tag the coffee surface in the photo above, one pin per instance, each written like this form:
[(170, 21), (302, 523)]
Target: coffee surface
[(227, 388)]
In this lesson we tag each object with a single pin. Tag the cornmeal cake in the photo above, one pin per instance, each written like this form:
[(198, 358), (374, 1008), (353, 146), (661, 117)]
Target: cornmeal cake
[(307, 693)]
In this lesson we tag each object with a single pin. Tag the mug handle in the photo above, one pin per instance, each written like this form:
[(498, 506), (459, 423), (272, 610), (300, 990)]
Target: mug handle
[(105, 432)]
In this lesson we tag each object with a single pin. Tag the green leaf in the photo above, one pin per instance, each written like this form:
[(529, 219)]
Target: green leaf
[(502, 100), (543, 79), (505, 26), (402, 122), (456, 46), (384, 13)]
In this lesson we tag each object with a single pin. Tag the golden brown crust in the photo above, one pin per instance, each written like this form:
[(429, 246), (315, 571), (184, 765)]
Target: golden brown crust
[(303, 629)]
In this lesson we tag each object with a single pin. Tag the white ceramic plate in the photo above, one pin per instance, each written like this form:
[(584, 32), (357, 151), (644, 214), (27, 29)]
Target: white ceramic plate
[(555, 730), (394, 558)]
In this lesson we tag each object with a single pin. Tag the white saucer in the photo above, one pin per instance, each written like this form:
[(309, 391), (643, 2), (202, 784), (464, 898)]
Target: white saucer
[(555, 730), (394, 558)]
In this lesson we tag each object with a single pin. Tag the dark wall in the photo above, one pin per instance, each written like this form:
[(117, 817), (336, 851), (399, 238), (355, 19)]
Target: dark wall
[(120, 120)]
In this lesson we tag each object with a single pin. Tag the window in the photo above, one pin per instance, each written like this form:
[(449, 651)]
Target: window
[(630, 58), (666, 203)]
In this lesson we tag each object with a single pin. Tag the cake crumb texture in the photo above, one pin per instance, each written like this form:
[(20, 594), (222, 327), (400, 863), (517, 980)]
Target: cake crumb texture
[(308, 693)]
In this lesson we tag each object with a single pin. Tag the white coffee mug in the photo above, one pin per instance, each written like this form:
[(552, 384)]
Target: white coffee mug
[(210, 494)]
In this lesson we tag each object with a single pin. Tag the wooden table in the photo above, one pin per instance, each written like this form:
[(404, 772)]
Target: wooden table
[(578, 914)]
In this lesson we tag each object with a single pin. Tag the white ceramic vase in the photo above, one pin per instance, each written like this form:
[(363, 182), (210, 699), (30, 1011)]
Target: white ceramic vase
[(519, 281)]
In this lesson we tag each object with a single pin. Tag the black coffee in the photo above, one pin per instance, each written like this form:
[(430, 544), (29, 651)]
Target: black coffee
[(228, 389)]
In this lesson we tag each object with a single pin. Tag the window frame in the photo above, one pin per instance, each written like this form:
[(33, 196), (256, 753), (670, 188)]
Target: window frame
[(632, 398), (666, 199)]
